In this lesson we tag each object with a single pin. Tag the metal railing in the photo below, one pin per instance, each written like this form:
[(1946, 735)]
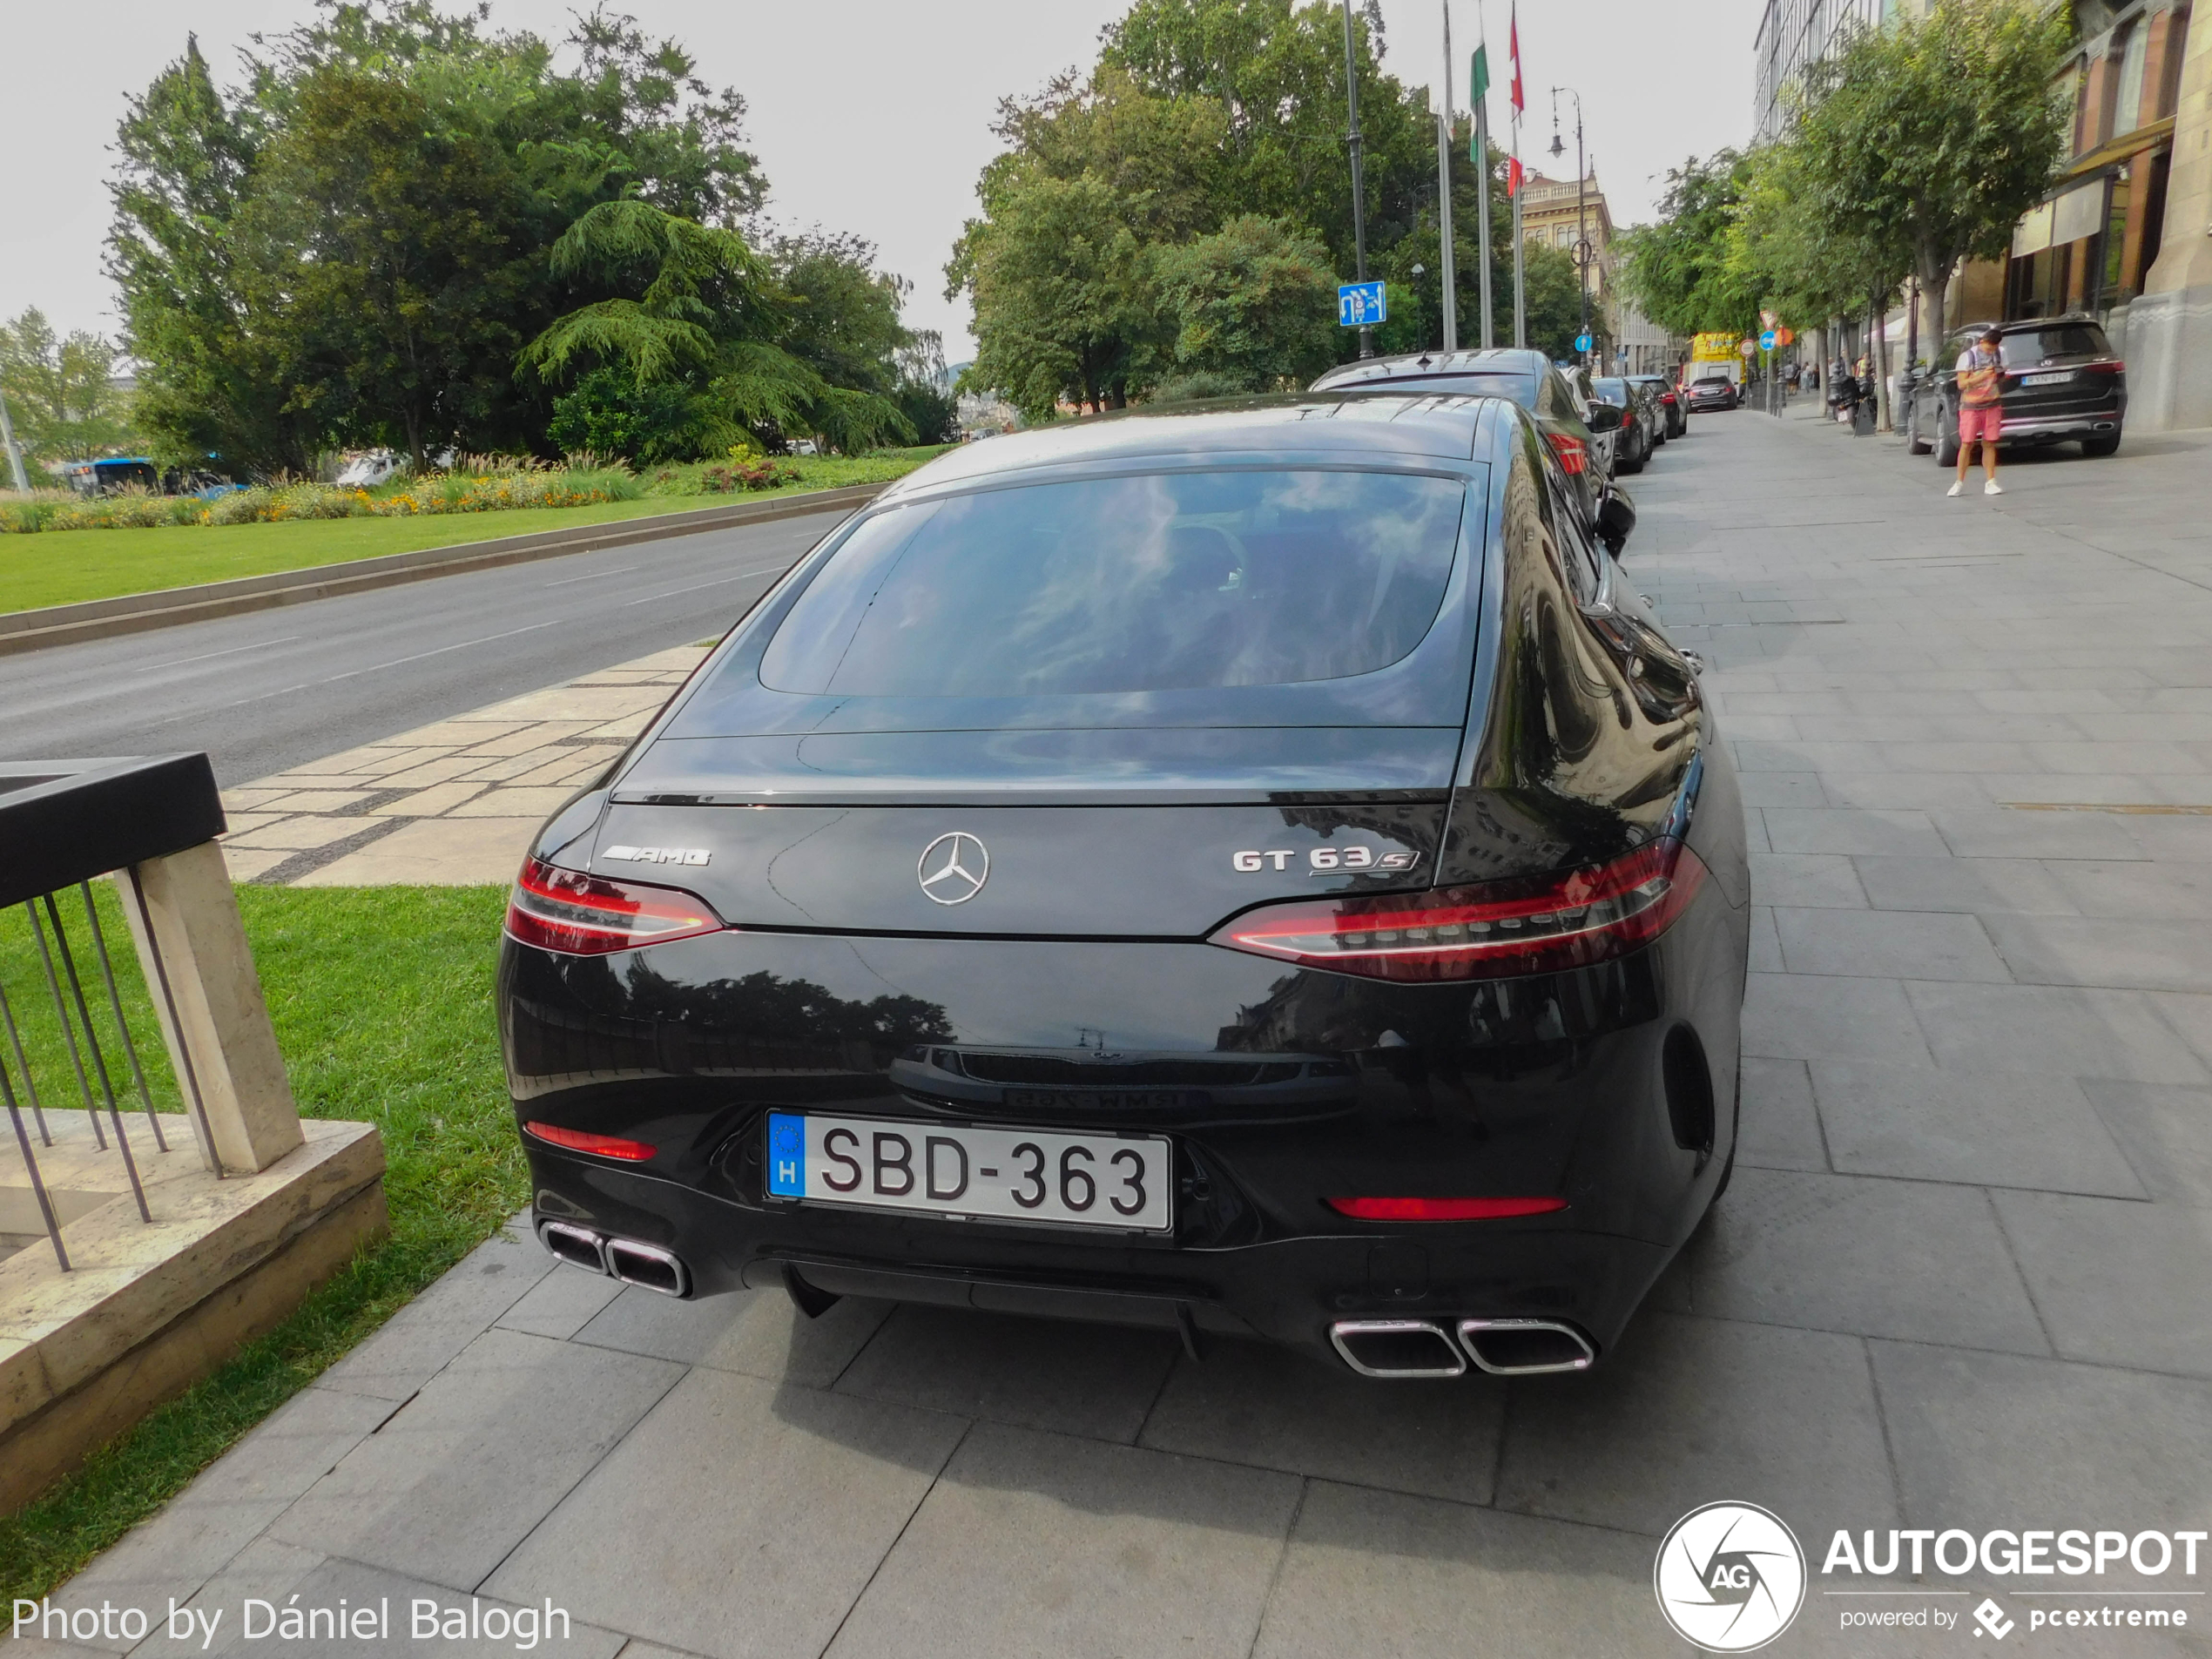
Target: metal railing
[(56, 819)]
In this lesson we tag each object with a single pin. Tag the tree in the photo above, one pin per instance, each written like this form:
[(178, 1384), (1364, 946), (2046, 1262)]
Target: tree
[(1254, 304), (58, 393), (706, 318), (1928, 137), (1678, 268)]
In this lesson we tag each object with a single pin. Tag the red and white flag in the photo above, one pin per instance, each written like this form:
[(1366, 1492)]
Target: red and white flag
[(1520, 103)]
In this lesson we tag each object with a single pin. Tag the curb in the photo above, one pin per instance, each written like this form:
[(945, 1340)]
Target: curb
[(27, 630)]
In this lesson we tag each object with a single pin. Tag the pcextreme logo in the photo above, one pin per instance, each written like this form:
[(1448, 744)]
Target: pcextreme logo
[(1730, 1577)]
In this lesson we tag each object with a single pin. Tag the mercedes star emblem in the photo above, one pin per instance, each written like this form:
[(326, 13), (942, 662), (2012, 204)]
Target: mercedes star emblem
[(953, 868)]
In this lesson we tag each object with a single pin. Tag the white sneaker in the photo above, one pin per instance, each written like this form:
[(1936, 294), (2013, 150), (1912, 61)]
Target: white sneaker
[(1959, 489), (1990, 487)]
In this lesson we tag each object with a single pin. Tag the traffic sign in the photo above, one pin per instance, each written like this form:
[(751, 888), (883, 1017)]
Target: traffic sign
[(1748, 348), (1361, 303), (1782, 336), (1581, 343), (1768, 340)]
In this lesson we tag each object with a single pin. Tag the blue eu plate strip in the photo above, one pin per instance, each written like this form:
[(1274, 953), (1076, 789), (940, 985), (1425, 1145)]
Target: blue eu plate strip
[(786, 1156)]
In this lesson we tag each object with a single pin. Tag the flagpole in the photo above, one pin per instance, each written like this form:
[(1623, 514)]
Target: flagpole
[(1479, 95), (1446, 271), (1516, 182)]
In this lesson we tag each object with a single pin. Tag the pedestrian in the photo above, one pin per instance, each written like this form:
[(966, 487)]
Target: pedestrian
[(1981, 414)]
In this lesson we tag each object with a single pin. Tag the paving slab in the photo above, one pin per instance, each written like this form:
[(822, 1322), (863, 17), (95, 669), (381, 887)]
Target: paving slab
[(461, 1473), (2165, 1134), (1250, 1403), (2117, 1282), (1991, 1128), (1040, 1544), (1374, 1572), (740, 1518), (1687, 1410), (1097, 1381), (1780, 1126), (759, 1333)]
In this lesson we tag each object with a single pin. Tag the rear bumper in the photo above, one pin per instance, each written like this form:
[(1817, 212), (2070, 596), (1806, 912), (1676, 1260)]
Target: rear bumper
[(2058, 428), (1289, 1291)]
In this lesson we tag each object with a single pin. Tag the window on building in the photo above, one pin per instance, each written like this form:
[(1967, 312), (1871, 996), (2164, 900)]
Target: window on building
[(2168, 90), (2128, 103)]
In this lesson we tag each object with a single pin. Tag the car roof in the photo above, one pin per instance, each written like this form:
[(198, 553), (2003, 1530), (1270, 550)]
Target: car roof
[(1381, 425), (1499, 359)]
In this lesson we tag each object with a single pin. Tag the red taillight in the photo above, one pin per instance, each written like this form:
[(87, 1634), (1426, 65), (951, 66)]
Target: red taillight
[(1537, 925), (588, 915), (2114, 367), (1442, 1209), (1573, 454), (605, 1146)]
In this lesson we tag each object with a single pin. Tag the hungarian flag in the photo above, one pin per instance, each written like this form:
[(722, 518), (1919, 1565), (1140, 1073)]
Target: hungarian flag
[(1520, 103)]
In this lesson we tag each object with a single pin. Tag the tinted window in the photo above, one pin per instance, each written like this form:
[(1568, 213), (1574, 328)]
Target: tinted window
[(1167, 582), (1611, 391), (2027, 349)]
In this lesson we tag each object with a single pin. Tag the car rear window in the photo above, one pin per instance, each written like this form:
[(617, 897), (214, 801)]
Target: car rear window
[(2059, 340), (1163, 582), (1615, 392)]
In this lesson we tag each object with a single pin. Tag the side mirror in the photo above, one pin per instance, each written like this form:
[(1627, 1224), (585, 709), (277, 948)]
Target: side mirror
[(1603, 417)]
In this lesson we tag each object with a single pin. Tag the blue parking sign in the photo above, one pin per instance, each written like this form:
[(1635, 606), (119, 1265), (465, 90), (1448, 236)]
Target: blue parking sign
[(1361, 303)]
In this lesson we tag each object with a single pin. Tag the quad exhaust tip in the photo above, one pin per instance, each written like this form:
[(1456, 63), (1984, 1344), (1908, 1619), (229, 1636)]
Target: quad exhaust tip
[(645, 1265), (1399, 1349)]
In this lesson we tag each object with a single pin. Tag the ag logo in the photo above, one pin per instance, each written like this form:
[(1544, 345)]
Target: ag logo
[(1730, 1577)]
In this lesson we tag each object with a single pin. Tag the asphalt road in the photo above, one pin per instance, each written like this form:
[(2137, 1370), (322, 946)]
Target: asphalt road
[(276, 688)]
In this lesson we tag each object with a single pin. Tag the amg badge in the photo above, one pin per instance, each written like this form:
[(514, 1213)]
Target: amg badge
[(657, 855)]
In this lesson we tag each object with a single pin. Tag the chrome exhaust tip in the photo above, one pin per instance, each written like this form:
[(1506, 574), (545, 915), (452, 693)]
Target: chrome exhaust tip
[(578, 1246), (1525, 1347), (1397, 1348), (648, 1266)]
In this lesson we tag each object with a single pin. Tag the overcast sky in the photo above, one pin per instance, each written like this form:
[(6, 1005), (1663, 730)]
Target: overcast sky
[(870, 115)]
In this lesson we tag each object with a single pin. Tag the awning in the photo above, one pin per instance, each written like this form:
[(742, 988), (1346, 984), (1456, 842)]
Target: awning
[(2064, 219)]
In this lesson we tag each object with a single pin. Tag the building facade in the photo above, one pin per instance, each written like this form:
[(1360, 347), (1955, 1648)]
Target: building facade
[(1556, 213)]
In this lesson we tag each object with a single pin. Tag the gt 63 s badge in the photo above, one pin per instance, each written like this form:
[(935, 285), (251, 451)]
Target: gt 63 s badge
[(1329, 859)]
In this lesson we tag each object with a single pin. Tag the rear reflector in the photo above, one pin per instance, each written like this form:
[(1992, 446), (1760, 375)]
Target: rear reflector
[(589, 915), (605, 1146), (1442, 1209), (1498, 930)]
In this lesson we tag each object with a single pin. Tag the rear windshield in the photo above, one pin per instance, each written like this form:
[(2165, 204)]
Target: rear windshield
[(1168, 582), (1611, 391), (2051, 344)]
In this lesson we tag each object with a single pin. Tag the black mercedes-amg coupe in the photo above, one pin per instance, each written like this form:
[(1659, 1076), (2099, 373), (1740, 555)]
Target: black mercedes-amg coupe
[(1248, 870)]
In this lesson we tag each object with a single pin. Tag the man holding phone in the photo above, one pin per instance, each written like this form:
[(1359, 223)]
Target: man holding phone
[(1981, 416)]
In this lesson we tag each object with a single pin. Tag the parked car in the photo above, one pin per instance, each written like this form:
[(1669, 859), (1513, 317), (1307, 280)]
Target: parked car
[(111, 475), (1562, 410), (2062, 382), (367, 470), (1235, 872), (1640, 420), (1672, 404), (1710, 387)]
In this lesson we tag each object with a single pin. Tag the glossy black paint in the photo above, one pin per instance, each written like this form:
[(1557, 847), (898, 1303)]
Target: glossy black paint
[(1076, 990)]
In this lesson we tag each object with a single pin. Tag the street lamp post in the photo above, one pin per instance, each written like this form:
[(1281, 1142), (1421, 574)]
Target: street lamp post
[(1359, 206), (1582, 181)]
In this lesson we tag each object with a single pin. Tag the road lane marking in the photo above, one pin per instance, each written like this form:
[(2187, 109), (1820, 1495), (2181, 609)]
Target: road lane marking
[(178, 662), (597, 576), (766, 569)]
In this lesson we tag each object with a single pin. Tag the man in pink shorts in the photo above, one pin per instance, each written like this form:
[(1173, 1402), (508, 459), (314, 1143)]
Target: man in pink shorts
[(1981, 414)]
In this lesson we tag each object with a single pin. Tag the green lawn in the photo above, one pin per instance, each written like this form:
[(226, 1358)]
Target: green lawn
[(382, 1003), (63, 567)]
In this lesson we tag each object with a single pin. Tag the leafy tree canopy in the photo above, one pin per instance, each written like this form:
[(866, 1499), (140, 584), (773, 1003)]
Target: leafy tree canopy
[(1678, 268), (59, 399)]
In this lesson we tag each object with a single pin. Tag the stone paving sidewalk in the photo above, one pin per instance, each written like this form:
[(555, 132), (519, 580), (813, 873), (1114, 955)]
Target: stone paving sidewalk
[(452, 802), (1959, 1281)]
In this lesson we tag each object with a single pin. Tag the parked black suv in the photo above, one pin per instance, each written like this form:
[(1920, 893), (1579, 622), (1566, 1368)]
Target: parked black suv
[(2062, 382)]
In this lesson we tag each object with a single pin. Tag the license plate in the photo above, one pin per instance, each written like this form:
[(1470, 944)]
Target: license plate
[(1117, 1182), (2046, 379)]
